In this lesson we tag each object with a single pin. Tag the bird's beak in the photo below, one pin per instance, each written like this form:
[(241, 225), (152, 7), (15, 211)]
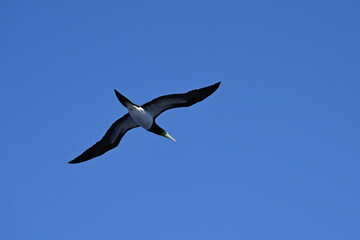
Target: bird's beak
[(167, 135)]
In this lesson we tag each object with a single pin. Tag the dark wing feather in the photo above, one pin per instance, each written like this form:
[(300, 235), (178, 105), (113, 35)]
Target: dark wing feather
[(110, 140), (163, 103)]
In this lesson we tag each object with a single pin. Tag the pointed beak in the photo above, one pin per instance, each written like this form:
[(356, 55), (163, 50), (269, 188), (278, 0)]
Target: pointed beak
[(167, 135)]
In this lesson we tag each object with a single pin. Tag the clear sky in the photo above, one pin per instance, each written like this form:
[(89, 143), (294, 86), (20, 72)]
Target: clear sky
[(273, 154)]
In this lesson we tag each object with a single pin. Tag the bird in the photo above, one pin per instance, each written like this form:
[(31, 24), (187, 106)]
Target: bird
[(143, 116)]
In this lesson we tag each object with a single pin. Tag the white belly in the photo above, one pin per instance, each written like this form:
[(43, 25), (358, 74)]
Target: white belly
[(141, 117)]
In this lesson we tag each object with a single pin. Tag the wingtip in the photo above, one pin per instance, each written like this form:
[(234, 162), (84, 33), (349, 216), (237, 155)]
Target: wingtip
[(214, 87), (76, 160)]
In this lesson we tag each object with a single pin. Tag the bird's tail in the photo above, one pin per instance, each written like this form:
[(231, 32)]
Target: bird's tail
[(124, 101)]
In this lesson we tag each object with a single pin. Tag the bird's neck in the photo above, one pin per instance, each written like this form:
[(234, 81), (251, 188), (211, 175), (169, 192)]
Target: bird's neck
[(156, 129)]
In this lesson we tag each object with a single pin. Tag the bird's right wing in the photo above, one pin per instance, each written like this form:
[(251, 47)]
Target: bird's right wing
[(110, 140), (163, 103)]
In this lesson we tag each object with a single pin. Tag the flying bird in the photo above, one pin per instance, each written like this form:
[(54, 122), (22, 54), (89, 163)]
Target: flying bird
[(143, 116)]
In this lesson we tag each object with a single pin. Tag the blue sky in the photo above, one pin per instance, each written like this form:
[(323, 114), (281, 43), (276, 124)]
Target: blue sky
[(273, 154)]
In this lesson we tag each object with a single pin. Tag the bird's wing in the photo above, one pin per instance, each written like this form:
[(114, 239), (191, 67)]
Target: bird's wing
[(110, 140), (163, 103)]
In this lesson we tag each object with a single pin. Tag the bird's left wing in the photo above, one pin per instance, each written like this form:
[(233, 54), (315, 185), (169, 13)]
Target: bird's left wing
[(110, 140)]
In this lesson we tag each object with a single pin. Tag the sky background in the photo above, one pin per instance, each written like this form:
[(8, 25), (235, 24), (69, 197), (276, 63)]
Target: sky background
[(272, 154)]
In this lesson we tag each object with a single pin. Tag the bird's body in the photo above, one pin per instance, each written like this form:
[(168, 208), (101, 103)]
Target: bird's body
[(143, 116)]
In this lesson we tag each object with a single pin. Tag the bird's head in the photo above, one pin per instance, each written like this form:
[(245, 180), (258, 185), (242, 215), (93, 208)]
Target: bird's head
[(167, 135)]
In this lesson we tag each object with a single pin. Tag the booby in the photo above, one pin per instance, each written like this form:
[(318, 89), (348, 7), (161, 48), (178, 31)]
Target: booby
[(143, 116)]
